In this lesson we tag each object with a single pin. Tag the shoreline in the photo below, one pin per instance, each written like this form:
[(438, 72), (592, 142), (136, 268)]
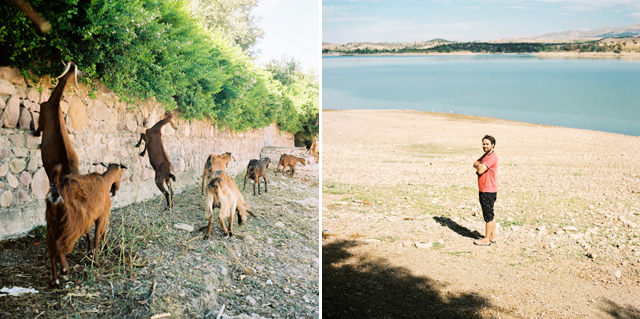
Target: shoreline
[(572, 55), (485, 119)]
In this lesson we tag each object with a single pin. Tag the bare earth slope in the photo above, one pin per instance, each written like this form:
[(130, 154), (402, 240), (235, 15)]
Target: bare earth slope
[(152, 268), (400, 212)]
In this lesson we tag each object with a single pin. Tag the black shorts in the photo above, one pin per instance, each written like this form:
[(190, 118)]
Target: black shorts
[(486, 202)]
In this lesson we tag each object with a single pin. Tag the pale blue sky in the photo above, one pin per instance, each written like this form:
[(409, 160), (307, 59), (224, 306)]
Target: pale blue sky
[(346, 21), (292, 28)]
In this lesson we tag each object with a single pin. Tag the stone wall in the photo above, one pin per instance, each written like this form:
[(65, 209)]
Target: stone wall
[(103, 129)]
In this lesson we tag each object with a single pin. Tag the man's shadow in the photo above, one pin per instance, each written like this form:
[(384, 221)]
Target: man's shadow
[(459, 229)]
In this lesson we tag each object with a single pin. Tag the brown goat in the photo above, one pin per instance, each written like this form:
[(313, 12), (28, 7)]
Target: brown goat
[(255, 170), (223, 193), (57, 149), (314, 150), (85, 201), (215, 162), (56, 146), (158, 156), (287, 160)]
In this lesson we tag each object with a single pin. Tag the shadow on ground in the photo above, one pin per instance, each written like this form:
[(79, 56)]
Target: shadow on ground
[(459, 229), (620, 312), (370, 287)]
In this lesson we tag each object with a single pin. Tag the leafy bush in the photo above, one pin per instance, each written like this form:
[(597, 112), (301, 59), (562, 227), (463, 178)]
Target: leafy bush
[(149, 48)]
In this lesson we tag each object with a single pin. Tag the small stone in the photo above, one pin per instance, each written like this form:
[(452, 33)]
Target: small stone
[(12, 180), (17, 165), (33, 141), (40, 184), (4, 169), (5, 153), (423, 245), (615, 272), (25, 119), (407, 244), (11, 113), (6, 198), (279, 224), (20, 196), (36, 118), (24, 178), (182, 226), (12, 74), (7, 88), (569, 228), (146, 174), (33, 95), (17, 140), (18, 152), (223, 270), (251, 301)]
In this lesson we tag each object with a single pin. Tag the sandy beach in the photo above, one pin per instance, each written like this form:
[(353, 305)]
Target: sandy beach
[(400, 212)]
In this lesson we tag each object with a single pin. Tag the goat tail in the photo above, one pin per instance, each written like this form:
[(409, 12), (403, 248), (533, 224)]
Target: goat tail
[(75, 218)]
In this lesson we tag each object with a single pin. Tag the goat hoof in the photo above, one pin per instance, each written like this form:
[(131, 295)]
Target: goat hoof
[(206, 237)]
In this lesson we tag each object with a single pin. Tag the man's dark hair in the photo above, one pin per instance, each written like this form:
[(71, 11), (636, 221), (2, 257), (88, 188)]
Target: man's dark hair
[(490, 138)]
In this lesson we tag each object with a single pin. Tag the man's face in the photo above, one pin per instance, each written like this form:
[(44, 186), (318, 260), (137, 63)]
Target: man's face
[(486, 146)]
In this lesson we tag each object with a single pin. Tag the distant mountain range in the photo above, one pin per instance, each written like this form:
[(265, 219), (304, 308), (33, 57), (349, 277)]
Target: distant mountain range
[(628, 31)]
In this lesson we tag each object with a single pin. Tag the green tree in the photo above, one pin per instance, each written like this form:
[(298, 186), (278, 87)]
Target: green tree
[(232, 17)]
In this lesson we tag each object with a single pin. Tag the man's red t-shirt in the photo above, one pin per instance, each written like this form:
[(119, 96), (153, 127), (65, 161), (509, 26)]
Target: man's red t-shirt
[(487, 182)]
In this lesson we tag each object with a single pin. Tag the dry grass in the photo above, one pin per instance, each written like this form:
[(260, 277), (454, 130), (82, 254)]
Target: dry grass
[(149, 267)]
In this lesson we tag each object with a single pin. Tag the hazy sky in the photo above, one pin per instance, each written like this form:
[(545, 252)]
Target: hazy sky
[(291, 27), (345, 21)]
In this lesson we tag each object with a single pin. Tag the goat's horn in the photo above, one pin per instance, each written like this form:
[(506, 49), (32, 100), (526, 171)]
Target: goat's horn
[(122, 166), (75, 76), (67, 66)]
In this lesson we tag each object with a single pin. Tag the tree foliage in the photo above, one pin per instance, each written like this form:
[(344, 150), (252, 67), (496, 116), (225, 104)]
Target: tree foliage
[(150, 48), (232, 17)]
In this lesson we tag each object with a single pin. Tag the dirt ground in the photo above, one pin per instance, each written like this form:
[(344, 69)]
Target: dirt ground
[(152, 268), (400, 212)]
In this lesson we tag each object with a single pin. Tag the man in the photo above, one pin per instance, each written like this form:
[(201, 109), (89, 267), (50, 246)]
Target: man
[(487, 171)]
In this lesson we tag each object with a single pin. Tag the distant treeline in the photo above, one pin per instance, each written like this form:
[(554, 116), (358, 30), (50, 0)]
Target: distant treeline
[(484, 47)]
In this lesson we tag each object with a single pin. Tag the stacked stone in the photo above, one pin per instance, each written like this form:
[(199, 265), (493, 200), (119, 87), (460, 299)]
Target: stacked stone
[(103, 129)]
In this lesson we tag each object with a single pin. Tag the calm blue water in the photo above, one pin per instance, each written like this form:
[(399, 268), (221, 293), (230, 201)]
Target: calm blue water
[(595, 94)]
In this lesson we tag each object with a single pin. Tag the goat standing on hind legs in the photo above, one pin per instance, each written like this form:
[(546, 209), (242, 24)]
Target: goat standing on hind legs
[(83, 200), (158, 157), (57, 149), (223, 193)]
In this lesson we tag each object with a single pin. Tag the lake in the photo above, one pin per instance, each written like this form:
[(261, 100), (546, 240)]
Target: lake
[(595, 94)]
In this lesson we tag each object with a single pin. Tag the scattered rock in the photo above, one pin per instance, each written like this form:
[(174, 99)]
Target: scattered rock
[(423, 245), (570, 228), (251, 301), (592, 255), (182, 226), (615, 272), (279, 224), (407, 244)]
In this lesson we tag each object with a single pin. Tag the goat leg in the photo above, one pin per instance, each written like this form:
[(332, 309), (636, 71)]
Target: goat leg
[(254, 187), (224, 227), (140, 141), (265, 181), (206, 236), (143, 151)]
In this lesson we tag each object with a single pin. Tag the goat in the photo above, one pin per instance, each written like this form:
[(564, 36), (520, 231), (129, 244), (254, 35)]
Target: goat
[(287, 160), (56, 146), (255, 170), (57, 149), (314, 150), (158, 156), (215, 162), (85, 200), (223, 193)]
